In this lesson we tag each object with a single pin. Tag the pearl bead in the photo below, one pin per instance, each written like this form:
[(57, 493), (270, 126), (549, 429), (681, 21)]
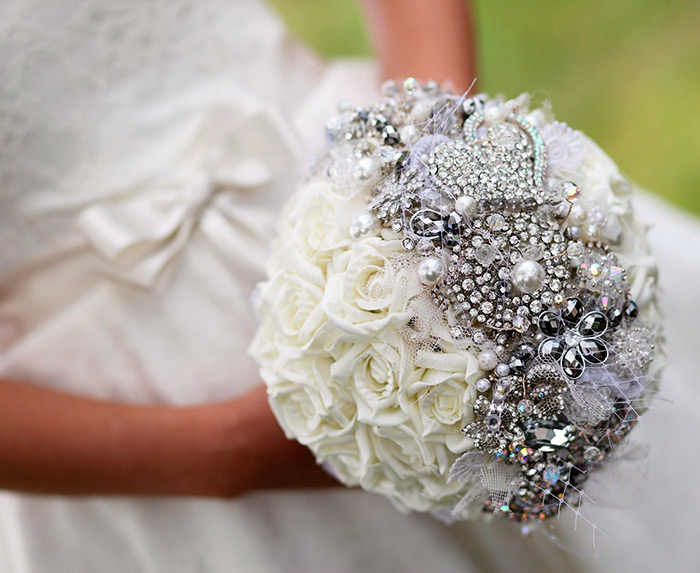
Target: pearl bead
[(483, 385), (578, 214), (527, 276), (487, 359), (430, 270), (465, 205), (366, 169), (502, 370), (363, 225)]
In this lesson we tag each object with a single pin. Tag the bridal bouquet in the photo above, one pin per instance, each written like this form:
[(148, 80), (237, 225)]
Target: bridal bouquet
[(460, 311)]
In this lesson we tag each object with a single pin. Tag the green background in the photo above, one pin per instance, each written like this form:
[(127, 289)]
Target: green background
[(625, 72)]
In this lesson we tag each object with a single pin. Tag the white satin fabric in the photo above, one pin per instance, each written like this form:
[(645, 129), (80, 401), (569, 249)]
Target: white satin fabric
[(146, 149)]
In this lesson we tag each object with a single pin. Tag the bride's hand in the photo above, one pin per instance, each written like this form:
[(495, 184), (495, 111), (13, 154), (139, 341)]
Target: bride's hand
[(260, 456)]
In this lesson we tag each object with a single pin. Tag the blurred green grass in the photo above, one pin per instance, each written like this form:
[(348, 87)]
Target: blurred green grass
[(627, 73)]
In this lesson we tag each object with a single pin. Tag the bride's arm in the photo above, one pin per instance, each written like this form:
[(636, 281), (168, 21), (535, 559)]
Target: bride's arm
[(52, 442), (424, 39)]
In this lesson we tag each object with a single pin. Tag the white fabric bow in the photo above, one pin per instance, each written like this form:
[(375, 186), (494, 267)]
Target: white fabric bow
[(241, 149)]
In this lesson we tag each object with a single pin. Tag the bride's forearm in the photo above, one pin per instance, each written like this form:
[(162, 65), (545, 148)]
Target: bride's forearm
[(59, 443), (426, 40)]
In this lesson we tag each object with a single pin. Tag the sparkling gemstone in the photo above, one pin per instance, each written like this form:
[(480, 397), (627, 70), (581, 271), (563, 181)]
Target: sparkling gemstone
[(573, 338), (551, 474), (427, 223), (630, 310), (485, 254), (595, 270), (496, 222), (493, 422), (408, 244), (594, 323), (503, 287), (593, 350), (525, 407), (479, 337), (616, 273), (615, 317), (549, 323), (521, 323), (592, 454), (517, 363), (571, 191), (503, 386), (551, 348), (526, 350), (572, 363), (548, 435), (573, 311), (575, 250)]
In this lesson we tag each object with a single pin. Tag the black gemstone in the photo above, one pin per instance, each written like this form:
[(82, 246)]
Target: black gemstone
[(572, 363), (549, 323), (630, 310), (503, 287), (594, 323), (573, 311), (593, 350), (390, 135), (517, 364), (615, 317), (527, 351), (551, 348)]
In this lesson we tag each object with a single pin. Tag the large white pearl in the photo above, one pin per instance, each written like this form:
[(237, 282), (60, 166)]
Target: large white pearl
[(363, 225), (430, 270), (488, 360), (527, 276), (465, 205)]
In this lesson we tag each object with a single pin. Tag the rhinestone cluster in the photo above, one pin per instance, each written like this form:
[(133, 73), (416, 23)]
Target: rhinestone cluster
[(519, 271)]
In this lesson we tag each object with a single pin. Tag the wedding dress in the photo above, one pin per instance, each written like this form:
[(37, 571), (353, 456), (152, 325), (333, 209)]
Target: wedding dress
[(146, 149)]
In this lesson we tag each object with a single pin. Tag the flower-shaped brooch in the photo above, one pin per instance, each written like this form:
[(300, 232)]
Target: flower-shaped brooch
[(574, 338)]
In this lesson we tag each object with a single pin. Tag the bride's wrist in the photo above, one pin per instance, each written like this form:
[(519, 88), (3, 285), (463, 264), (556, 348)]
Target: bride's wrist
[(221, 466)]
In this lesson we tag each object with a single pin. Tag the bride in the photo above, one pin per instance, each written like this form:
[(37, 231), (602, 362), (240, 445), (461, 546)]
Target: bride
[(146, 149)]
